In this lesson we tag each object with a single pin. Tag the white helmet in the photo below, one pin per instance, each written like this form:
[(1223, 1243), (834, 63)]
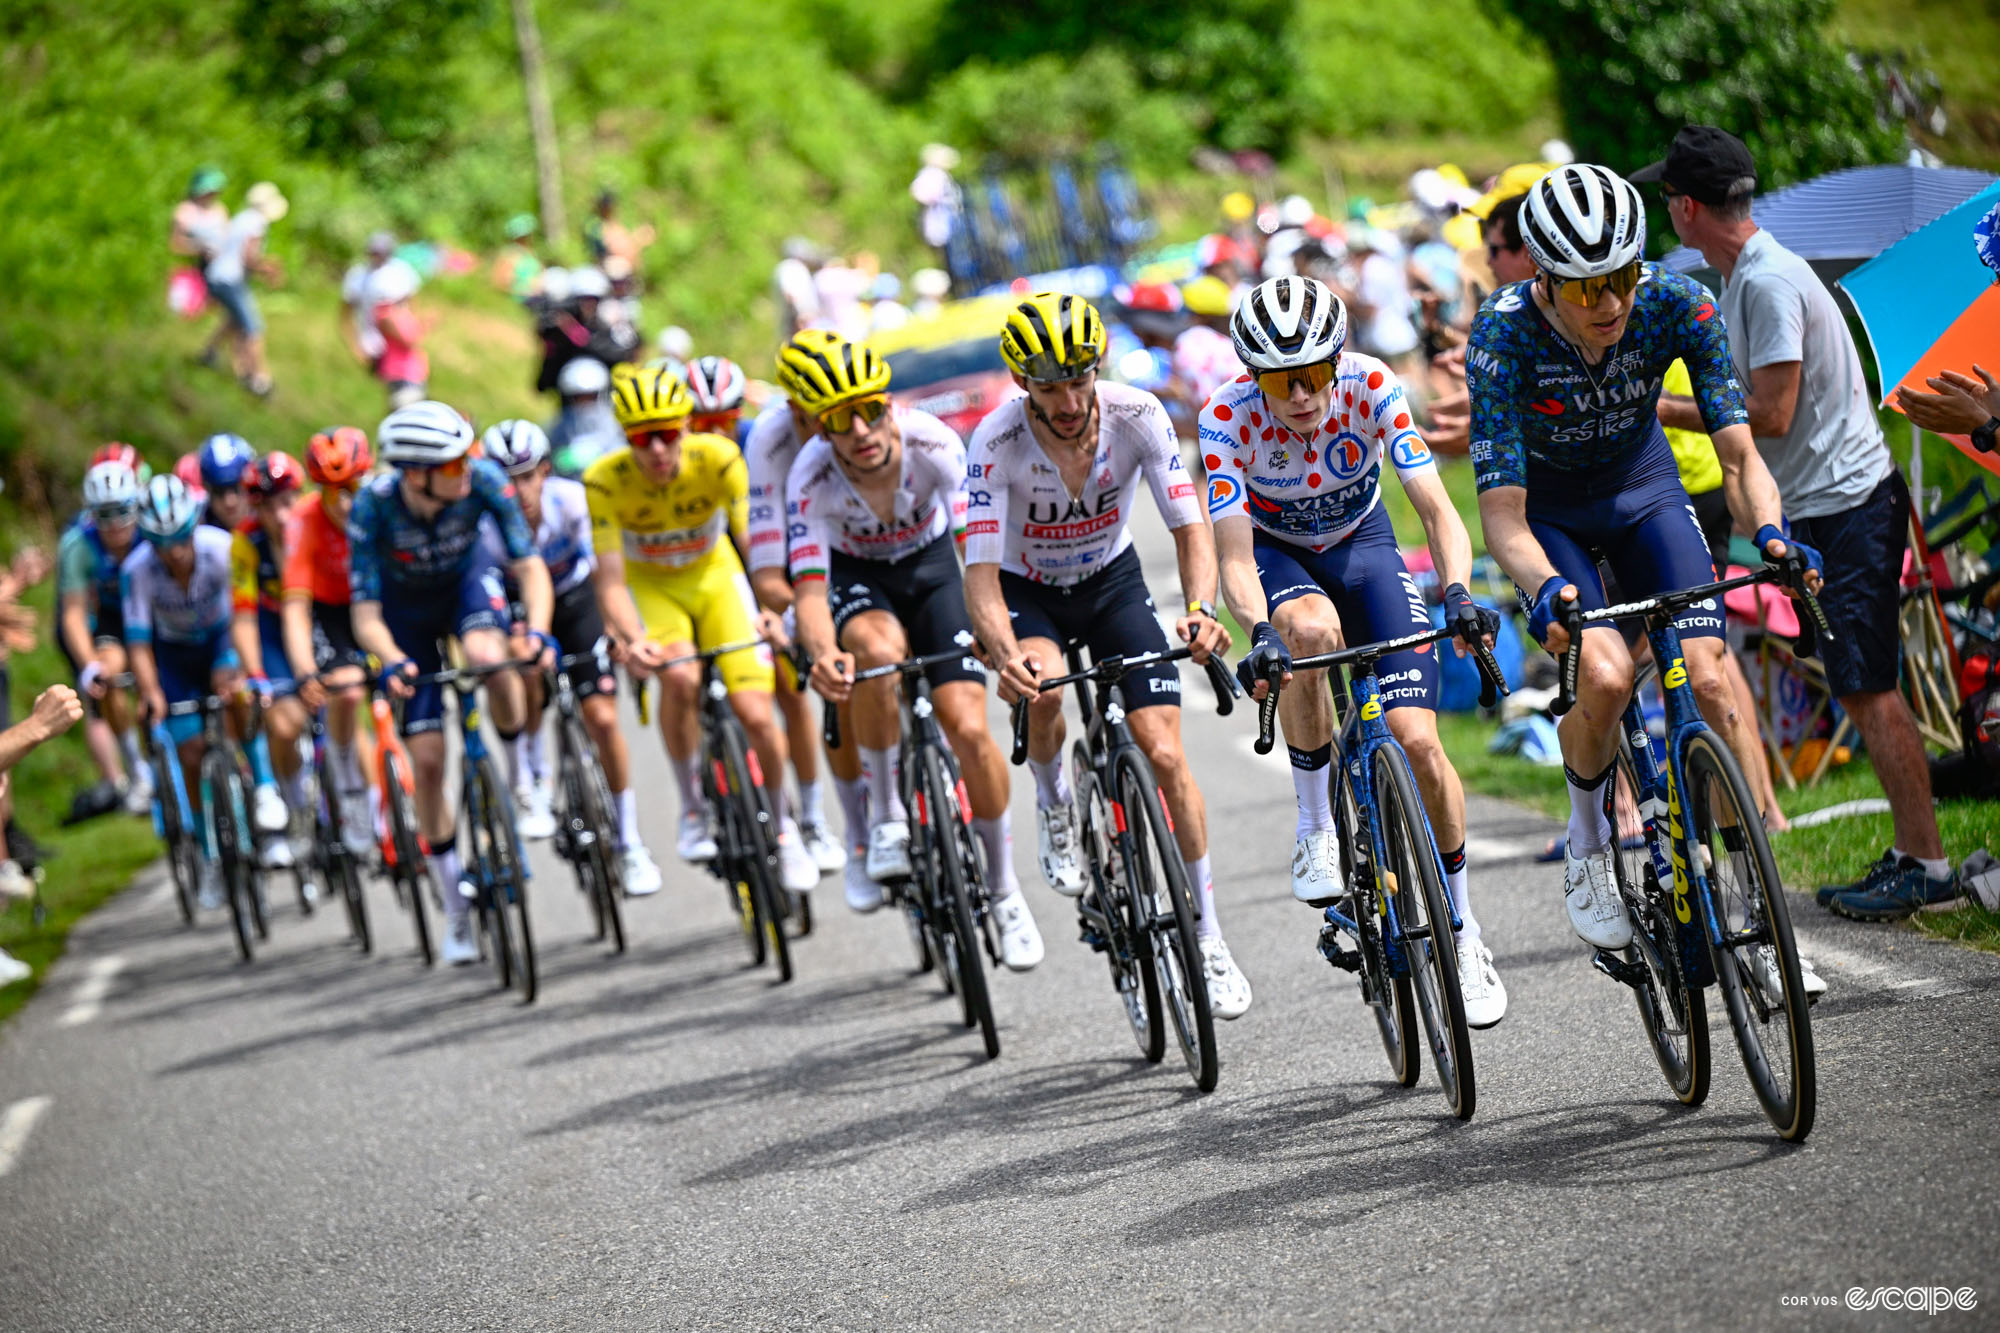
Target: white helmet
[(715, 384), (588, 282), (581, 375), (169, 511), (1287, 322), (424, 434), (555, 285), (676, 342), (1583, 221), (516, 445), (111, 490)]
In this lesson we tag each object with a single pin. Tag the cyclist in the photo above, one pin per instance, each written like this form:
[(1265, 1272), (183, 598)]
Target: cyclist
[(1049, 561), (223, 462), (258, 633), (176, 592), (1309, 559), (875, 504), (558, 512), (715, 383), (318, 623), (769, 450), (1564, 371), (418, 574), (662, 514), (91, 622)]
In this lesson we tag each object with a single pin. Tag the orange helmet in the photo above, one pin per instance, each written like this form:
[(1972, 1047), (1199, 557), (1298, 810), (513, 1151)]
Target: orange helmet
[(339, 455)]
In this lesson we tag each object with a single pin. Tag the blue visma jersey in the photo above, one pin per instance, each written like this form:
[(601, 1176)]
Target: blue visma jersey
[(1535, 404), (390, 545)]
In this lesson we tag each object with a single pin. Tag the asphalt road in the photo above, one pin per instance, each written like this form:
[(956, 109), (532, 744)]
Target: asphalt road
[(665, 1140)]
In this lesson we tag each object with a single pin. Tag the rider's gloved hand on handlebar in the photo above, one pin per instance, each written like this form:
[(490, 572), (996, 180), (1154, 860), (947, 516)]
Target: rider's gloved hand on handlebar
[(1267, 660), (1473, 626), (1796, 559), (1542, 611)]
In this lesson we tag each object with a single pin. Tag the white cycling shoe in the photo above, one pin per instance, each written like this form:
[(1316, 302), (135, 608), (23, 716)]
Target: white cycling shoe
[(209, 893), (1055, 839), (139, 793), (271, 814), (1764, 967), (863, 893), (642, 874), (275, 853), (1228, 988), (823, 848), (695, 842), (1590, 891), (1316, 866), (1479, 985), (796, 869), (534, 804), (460, 944), (889, 850), (1020, 938), (355, 831)]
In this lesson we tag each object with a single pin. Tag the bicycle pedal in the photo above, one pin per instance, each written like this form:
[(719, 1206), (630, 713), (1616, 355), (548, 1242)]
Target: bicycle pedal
[(1331, 949), (1090, 936), (1618, 969)]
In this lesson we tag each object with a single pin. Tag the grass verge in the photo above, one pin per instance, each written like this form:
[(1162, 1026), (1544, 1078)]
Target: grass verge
[(88, 862)]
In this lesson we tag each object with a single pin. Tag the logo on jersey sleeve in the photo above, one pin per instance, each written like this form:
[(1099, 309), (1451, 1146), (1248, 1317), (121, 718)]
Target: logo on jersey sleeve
[(1222, 493), (1410, 451)]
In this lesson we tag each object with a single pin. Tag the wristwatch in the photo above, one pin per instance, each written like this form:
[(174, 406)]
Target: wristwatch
[(1201, 608), (1983, 437)]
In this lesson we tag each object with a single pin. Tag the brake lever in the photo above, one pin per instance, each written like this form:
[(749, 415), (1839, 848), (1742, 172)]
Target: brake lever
[(1224, 683), (1572, 657), (1020, 754)]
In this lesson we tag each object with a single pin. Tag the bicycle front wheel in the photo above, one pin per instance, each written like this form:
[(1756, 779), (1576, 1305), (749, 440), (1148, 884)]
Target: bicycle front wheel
[(597, 812), (1423, 916), (1674, 1014), (1158, 879), (222, 794), (404, 852), (954, 862), (1130, 946), (1386, 994), (508, 882), (755, 844), (1756, 959)]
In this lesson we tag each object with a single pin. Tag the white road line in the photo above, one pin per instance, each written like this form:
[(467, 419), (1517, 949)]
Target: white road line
[(16, 1123), (90, 992)]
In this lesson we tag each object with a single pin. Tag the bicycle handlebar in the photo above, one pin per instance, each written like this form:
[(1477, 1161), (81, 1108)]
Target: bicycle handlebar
[(1113, 669), (1492, 684), (830, 717)]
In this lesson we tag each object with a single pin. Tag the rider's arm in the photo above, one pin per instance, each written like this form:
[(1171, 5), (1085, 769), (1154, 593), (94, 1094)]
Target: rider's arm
[(244, 635), (1503, 516), (815, 618), (614, 598), (296, 617), (75, 625), (531, 576), (987, 606), (773, 589), (243, 628), (1746, 482), (1194, 550), (1451, 545), (372, 633), (736, 487), (1241, 588), (145, 672)]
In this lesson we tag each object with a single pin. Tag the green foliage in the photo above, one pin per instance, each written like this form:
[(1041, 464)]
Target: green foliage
[(1450, 65), (1635, 71), (361, 81)]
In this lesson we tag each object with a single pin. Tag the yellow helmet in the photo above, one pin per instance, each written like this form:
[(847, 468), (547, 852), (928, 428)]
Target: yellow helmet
[(1052, 337), (802, 344), (834, 371), (650, 397)]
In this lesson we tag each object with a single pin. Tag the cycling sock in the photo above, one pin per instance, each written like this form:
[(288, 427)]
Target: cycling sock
[(628, 818), (1935, 868), (1051, 781), (260, 760), (1454, 881), (812, 809), (538, 762), (128, 745), (1202, 881), (294, 788), (885, 801), (853, 795), (687, 776), (516, 764), (1309, 785), (447, 871), (1589, 830), (997, 836), (346, 766)]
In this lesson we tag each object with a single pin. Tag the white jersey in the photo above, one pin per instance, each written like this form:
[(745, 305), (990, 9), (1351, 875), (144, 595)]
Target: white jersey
[(768, 453), (827, 514), (1311, 492), (158, 608), (1020, 516), (562, 538)]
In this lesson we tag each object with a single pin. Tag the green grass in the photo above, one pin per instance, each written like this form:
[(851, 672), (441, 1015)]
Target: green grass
[(1960, 43), (88, 863)]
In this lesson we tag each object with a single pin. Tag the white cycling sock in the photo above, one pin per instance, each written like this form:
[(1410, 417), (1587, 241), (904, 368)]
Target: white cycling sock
[(1454, 881), (1589, 830), (628, 818), (812, 809), (346, 765), (517, 761), (1202, 881), (687, 777), (128, 745), (853, 796), (293, 785), (997, 836), (538, 763), (445, 868), (885, 800), (1311, 789), (1051, 781)]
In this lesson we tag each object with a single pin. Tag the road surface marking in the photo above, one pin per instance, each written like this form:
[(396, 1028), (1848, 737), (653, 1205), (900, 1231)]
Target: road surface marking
[(16, 1123), (90, 992)]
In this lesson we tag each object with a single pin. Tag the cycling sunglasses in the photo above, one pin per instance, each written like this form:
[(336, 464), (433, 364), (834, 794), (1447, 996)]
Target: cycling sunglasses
[(116, 515), (840, 418), (1585, 291), (715, 423), (663, 437), (455, 468), (1277, 384)]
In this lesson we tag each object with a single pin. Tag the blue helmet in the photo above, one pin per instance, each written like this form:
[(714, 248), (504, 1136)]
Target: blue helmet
[(168, 511), (224, 459)]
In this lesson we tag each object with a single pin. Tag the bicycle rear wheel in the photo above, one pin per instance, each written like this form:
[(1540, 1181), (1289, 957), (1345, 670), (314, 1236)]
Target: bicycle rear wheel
[(954, 862), (1158, 880), (222, 797), (598, 813), (1757, 960), (1424, 916), (1675, 1015), (409, 869), (757, 841)]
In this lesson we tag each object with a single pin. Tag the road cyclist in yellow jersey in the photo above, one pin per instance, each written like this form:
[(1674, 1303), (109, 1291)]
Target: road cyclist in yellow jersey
[(663, 516)]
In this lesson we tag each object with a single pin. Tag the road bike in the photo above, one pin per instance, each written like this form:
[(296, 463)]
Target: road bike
[(1393, 902), (335, 863), (223, 822), (587, 827), (405, 852), (1703, 893), (945, 898), (1137, 907)]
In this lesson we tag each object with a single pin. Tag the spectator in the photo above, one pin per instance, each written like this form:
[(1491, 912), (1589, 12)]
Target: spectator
[(1382, 307), (516, 268), (1204, 358), (199, 225), (609, 239), (885, 304), (239, 254), (622, 306), (798, 297), (403, 367), (1961, 404), (360, 294), (584, 429), (1817, 431), (940, 201), (1450, 430), (57, 709), (575, 327), (930, 286)]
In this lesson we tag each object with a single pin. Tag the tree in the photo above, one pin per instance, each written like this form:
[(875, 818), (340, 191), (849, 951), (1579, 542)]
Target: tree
[(1629, 73)]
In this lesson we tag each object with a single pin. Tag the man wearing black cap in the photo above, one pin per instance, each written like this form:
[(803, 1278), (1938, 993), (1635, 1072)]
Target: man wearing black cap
[(1816, 428)]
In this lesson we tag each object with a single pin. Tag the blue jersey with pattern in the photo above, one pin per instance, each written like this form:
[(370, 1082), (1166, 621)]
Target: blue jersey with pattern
[(1537, 406), (390, 547)]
